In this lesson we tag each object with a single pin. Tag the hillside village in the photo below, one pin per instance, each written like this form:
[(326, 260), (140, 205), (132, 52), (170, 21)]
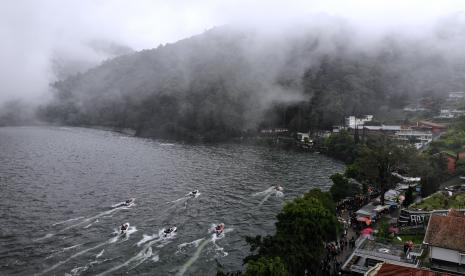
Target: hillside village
[(417, 226)]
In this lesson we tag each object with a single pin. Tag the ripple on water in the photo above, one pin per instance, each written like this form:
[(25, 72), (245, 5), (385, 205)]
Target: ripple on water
[(58, 181)]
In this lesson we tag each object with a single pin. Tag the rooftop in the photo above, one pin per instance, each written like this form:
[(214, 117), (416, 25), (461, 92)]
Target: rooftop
[(446, 231), (387, 269), (431, 124), (380, 250)]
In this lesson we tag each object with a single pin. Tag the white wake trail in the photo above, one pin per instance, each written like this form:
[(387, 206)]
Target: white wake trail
[(194, 258), (87, 220), (60, 263), (141, 257), (110, 241), (145, 253), (68, 220)]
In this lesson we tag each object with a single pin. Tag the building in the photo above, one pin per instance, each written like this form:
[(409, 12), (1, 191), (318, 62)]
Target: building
[(387, 269), (450, 113), (433, 127), (304, 137), (457, 95), (414, 108), (369, 252), (274, 131), (353, 122), (452, 158), (445, 238), (416, 137)]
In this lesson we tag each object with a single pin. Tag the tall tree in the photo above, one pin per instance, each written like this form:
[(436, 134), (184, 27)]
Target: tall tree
[(379, 158), (303, 226), (267, 267)]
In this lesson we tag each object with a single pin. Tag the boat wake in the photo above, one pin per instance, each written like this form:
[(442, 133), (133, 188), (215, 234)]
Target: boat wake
[(80, 269), (66, 221), (145, 253), (62, 250), (90, 221), (109, 241), (201, 244), (268, 193)]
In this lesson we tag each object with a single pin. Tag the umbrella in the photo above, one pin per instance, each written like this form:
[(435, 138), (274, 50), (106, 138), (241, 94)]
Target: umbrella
[(364, 219), (367, 231)]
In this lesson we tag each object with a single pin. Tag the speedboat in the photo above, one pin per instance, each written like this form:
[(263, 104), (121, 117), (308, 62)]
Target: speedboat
[(219, 229), (128, 202), (194, 193), (278, 188), (124, 228), (169, 231)]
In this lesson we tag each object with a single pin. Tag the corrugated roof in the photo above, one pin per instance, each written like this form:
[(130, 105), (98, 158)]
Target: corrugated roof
[(432, 124), (397, 270), (456, 213), (446, 232)]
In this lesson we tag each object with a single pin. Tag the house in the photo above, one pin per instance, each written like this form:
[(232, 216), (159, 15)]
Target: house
[(445, 238), (456, 95), (414, 108), (304, 137), (418, 138), (434, 127), (450, 113), (382, 129), (387, 269), (452, 159), (274, 131), (369, 252), (353, 122)]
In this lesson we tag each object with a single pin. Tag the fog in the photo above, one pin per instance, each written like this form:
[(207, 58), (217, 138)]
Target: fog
[(51, 39)]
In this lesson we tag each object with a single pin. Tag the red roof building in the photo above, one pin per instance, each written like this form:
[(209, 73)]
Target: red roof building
[(386, 269)]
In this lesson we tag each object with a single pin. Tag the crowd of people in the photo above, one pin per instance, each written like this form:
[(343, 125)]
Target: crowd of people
[(338, 251)]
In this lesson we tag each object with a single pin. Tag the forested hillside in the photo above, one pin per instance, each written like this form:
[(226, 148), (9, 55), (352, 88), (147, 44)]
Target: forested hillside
[(227, 82)]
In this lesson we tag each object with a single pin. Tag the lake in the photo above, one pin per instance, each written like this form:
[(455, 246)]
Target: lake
[(60, 188)]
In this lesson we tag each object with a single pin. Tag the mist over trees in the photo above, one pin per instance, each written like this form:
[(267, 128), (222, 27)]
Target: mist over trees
[(228, 82)]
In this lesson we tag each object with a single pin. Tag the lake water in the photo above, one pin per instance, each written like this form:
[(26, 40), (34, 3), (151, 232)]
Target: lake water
[(58, 186)]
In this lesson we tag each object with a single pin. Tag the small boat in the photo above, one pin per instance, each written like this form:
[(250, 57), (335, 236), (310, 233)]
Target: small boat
[(219, 229), (124, 228), (194, 193), (278, 188), (126, 203), (169, 231)]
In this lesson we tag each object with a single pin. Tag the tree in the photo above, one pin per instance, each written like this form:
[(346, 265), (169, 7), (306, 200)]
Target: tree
[(303, 226), (342, 188), (341, 146), (378, 159), (272, 266)]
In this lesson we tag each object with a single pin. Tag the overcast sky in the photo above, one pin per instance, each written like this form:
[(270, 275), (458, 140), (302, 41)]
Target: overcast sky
[(32, 30)]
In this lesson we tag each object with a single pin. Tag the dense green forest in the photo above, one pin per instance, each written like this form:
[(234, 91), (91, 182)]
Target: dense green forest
[(227, 83)]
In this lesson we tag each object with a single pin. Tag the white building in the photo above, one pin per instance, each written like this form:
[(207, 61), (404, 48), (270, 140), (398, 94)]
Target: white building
[(445, 238), (352, 121), (303, 137), (415, 108), (450, 113), (418, 138), (456, 95)]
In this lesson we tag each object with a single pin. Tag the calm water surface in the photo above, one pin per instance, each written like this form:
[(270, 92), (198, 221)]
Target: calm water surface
[(58, 186)]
